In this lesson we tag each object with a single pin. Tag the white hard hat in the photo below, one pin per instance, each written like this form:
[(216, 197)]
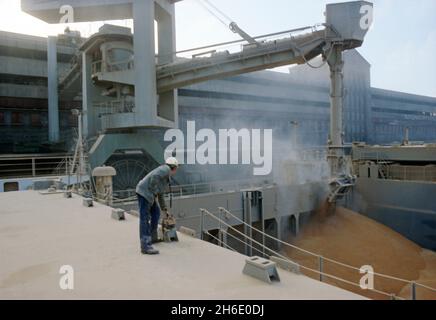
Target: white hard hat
[(172, 162)]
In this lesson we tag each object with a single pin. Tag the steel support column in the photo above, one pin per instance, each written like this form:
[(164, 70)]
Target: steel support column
[(53, 103), (336, 146)]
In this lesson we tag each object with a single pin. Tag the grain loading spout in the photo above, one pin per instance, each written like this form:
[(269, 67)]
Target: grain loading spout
[(347, 25)]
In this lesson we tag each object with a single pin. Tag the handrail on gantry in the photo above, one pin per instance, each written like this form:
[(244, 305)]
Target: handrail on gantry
[(240, 41)]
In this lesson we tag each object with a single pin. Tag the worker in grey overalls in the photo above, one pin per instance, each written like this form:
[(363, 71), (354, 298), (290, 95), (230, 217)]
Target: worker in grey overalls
[(150, 188)]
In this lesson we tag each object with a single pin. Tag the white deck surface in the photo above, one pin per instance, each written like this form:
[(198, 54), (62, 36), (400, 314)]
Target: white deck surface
[(40, 233)]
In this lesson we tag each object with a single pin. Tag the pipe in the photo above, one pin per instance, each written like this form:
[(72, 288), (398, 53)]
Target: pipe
[(336, 146), (53, 104)]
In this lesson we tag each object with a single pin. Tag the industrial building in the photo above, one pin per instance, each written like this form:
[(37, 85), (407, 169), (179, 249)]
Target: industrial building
[(371, 115), (23, 94)]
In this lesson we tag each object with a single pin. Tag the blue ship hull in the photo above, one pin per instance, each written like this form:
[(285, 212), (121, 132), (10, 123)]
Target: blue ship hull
[(408, 207)]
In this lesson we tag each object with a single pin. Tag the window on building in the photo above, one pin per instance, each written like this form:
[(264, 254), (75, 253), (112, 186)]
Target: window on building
[(17, 118), (117, 55), (120, 59), (2, 118), (35, 120)]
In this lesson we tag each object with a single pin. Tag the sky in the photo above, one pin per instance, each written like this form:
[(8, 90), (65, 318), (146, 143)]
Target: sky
[(400, 46)]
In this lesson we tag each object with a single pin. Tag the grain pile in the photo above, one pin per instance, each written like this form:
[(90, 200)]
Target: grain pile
[(354, 239)]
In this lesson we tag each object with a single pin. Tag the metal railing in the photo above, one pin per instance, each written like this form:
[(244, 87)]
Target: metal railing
[(99, 66), (33, 166), (96, 67), (63, 167), (368, 155), (375, 156), (196, 189), (114, 107), (239, 45), (216, 187), (392, 171), (411, 173), (120, 66), (321, 260)]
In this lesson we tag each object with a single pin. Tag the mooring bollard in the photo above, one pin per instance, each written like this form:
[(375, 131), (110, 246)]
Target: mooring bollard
[(87, 202), (118, 214)]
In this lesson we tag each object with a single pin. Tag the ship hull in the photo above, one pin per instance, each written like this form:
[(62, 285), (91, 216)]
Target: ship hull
[(408, 207)]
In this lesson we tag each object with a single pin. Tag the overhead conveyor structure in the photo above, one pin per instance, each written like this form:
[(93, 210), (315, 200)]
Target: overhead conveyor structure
[(267, 54)]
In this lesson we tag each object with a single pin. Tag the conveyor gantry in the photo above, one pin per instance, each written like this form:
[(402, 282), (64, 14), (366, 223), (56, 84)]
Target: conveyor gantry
[(265, 55)]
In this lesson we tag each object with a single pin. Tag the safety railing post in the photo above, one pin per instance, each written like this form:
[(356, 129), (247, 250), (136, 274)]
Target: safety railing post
[(201, 223), (321, 267), (220, 227), (33, 168), (413, 290)]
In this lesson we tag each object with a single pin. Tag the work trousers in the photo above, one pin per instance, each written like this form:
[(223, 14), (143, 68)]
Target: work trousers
[(148, 221)]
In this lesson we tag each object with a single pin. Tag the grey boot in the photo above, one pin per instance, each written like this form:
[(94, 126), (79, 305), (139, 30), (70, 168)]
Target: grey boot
[(149, 250)]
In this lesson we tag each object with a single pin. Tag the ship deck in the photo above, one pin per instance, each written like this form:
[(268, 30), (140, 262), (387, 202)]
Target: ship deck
[(40, 233)]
